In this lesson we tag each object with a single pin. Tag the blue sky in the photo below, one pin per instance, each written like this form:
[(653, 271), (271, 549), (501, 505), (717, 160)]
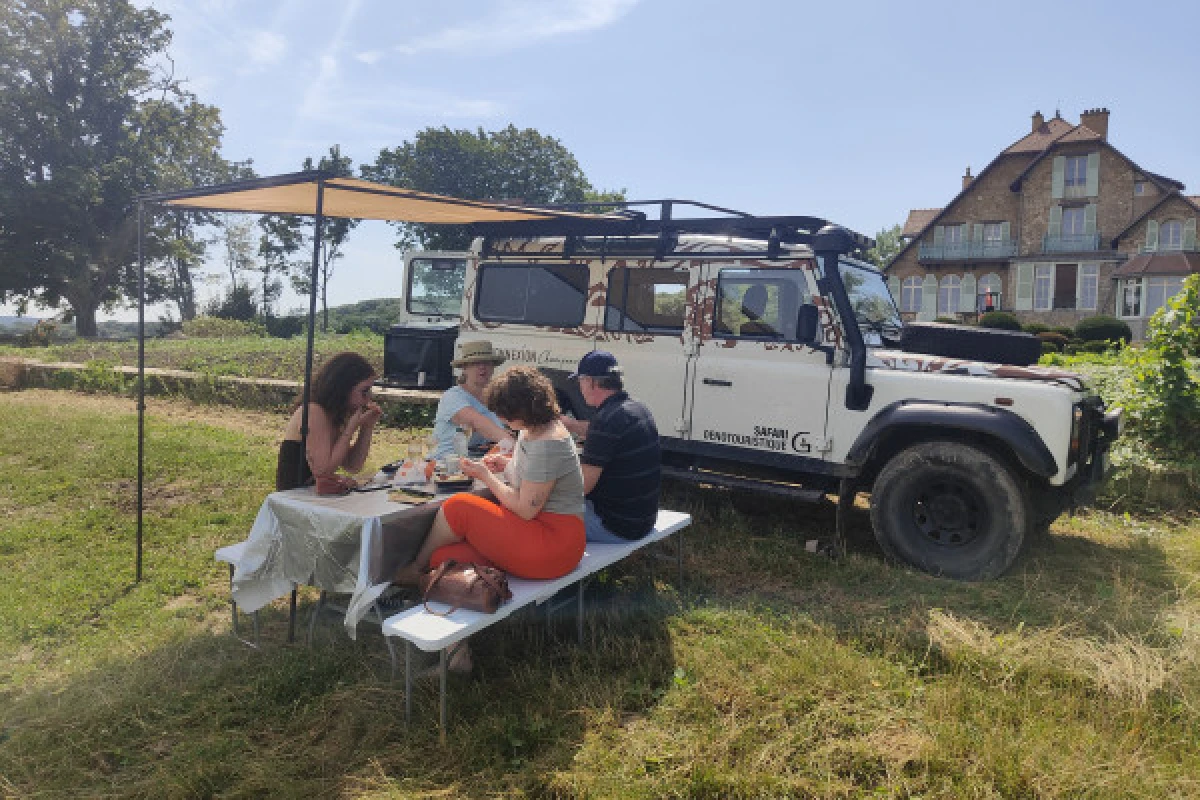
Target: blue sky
[(853, 111)]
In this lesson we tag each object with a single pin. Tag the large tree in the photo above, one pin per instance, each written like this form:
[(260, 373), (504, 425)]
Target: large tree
[(334, 231), (90, 117), (514, 165), (887, 245)]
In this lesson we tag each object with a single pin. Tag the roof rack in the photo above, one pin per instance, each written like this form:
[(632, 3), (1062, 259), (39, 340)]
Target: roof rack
[(622, 220)]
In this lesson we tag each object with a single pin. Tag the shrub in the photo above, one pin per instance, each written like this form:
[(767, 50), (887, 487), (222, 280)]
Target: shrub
[(40, 335), (1049, 347), (218, 328), (285, 327), (1103, 328), (1056, 339), (1001, 320), (1095, 347), (1170, 412), (1065, 330), (238, 303), (1035, 328)]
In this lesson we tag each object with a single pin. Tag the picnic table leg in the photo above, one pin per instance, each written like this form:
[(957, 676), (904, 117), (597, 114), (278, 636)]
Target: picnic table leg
[(233, 605), (579, 612), (443, 659), (407, 683), (679, 558), (292, 617), (387, 640), (312, 621)]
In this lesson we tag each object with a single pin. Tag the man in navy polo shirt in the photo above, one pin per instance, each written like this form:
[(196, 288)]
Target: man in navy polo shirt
[(620, 459)]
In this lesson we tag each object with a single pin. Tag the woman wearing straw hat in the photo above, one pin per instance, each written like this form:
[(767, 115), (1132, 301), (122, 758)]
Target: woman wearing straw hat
[(462, 406)]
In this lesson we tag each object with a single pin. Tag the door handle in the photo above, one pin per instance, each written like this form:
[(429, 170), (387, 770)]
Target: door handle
[(717, 382)]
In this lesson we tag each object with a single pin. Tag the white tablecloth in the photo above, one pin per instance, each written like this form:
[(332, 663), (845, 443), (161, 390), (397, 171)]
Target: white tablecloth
[(336, 543)]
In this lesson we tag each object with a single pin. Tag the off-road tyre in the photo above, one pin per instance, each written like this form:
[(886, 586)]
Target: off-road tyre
[(951, 510), (978, 344)]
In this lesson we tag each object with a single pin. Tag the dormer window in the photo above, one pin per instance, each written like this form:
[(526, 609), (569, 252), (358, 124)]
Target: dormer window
[(1075, 176)]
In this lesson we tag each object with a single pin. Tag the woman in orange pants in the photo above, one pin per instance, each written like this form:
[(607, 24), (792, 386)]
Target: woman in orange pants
[(535, 529)]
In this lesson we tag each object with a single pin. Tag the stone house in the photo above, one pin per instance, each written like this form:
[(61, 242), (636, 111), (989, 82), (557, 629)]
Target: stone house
[(1059, 226)]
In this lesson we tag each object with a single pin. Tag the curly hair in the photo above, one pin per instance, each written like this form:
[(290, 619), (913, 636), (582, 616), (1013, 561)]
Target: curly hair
[(332, 384), (522, 394)]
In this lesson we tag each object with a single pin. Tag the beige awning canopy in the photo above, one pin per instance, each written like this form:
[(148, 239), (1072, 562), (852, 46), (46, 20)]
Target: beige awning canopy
[(356, 199)]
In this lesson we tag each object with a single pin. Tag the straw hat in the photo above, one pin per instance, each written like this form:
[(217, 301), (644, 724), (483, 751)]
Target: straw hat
[(476, 353)]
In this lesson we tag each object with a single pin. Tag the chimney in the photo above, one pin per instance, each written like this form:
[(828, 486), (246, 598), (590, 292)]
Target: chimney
[(1097, 120), (967, 177), (1038, 121)]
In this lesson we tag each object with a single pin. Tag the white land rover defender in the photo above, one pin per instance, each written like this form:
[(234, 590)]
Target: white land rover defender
[(775, 361)]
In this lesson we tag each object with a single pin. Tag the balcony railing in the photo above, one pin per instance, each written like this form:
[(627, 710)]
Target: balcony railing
[(965, 251), (1073, 243)]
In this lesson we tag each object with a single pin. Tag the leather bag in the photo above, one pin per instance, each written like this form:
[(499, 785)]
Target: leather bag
[(462, 585)]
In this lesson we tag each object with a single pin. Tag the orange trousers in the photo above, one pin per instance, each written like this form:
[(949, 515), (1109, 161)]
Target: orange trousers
[(547, 546)]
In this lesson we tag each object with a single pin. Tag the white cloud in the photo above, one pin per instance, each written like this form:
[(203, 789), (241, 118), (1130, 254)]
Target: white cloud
[(522, 23), (266, 47), (368, 57)]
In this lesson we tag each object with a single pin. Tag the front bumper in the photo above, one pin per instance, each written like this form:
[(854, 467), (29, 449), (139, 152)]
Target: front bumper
[(1104, 429)]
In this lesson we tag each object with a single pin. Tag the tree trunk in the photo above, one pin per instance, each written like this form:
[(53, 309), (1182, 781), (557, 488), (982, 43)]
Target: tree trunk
[(85, 321), (324, 310)]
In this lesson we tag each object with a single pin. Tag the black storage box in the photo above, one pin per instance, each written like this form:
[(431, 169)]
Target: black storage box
[(419, 358)]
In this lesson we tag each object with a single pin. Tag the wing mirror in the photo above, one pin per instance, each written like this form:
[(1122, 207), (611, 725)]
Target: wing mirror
[(807, 321)]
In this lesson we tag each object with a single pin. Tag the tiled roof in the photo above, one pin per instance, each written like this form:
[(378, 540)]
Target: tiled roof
[(1159, 264), (1043, 137), (918, 218), (1081, 133)]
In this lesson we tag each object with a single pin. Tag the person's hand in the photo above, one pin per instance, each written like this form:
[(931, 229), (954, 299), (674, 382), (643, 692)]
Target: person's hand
[(496, 462), (370, 414), (473, 469)]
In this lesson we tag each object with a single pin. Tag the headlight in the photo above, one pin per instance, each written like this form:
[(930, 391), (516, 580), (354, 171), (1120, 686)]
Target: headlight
[(1076, 434)]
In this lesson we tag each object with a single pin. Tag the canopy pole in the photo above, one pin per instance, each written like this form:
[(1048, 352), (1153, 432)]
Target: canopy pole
[(141, 404), (318, 224)]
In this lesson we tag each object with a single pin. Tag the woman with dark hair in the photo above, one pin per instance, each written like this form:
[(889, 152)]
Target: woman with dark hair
[(535, 527), (341, 420)]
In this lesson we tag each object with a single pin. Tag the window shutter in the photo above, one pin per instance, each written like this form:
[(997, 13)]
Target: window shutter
[(1093, 174), (1004, 232), (1189, 234), (966, 299), (929, 293), (1089, 218), (1056, 181), (1151, 235), (894, 288), (1024, 288), (1055, 226), (939, 235)]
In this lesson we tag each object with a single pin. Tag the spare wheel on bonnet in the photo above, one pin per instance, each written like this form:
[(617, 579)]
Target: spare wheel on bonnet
[(967, 342)]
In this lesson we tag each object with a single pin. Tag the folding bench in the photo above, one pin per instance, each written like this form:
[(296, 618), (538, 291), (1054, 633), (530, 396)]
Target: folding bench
[(433, 632)]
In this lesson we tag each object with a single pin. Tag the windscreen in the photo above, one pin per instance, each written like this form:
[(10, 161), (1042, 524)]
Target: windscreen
[(872, 303)]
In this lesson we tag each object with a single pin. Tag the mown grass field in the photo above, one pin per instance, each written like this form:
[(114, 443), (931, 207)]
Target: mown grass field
[(769, 673)]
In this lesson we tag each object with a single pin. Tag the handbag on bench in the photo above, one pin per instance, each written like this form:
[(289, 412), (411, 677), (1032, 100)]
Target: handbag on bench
[(461, 585)]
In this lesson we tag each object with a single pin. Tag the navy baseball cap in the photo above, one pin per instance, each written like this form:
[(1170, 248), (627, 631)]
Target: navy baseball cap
[(597, 364)]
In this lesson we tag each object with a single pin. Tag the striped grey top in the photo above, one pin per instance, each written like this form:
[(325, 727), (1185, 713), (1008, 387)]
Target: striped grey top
[(544, 460)]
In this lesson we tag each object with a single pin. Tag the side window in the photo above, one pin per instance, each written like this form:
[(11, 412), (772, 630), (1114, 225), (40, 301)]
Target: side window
[(645, 300), (759, 303), (532, 294)]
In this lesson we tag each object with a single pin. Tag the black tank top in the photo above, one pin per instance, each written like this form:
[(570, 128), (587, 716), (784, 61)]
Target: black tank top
[(291, 469)]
